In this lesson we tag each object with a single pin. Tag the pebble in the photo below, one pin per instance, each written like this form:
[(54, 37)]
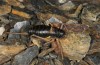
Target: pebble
[(26, 56)]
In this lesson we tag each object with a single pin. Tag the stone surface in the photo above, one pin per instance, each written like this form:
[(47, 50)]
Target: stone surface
[(76, 45), (26, 56), (7, 51)]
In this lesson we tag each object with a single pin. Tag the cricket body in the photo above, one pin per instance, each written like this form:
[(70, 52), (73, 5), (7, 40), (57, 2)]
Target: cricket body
[(45, 31)]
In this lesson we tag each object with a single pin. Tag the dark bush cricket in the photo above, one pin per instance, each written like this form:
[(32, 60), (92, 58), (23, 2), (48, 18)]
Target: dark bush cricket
[(45, 31), (42, 31)]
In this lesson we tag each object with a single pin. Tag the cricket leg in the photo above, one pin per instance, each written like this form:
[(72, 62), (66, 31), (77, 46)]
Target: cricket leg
[(60, 48)]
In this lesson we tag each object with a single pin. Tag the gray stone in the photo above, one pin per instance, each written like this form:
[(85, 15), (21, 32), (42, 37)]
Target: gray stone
[(26, 57)]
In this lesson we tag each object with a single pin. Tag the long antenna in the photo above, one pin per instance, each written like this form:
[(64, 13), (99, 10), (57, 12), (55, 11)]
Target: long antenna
[(23, 33)]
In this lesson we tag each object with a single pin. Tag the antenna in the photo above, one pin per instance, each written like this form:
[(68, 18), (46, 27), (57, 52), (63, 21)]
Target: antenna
[(23, 33)]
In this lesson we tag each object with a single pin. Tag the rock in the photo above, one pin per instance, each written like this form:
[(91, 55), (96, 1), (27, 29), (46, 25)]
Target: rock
[(45, 52), (55, 17), (95, 32), (76, 43), (53, 20), (2, 29), (67, 6), (7, 63), (7, 51), (50, 56), (93, 59), (4, 20), (62, 1), (25, 57), (5, 9), (35, 41), (35, 61), (15, 3), (89, 15), (17, 29), (58, 62), (72, 22), (55, 2), (95, 47)]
